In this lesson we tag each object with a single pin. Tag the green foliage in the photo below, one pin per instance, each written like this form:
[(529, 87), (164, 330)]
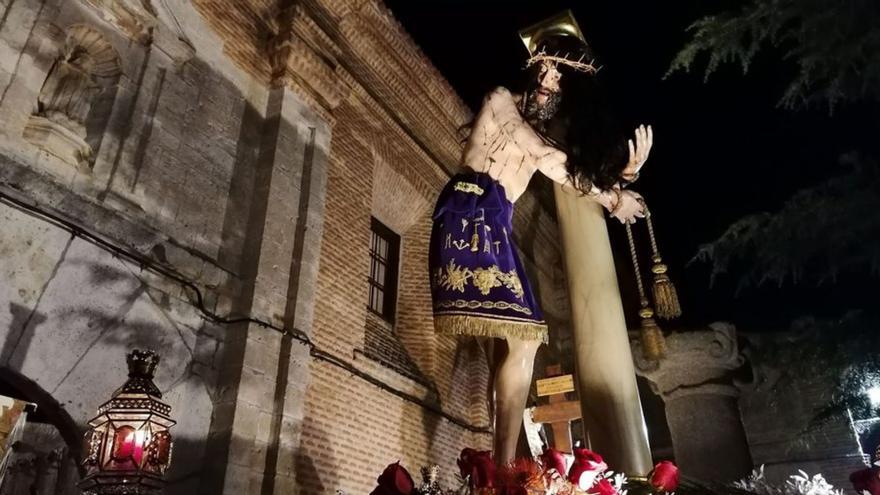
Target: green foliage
[(835, 45), (820, 232), (834, 226)]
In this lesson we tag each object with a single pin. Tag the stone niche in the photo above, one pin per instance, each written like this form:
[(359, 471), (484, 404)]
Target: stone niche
[(76, 98)]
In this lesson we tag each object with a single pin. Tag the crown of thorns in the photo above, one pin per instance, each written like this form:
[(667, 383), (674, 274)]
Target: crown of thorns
[(578, 65)]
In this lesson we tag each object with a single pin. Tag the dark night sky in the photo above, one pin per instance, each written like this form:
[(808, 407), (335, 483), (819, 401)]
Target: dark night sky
[(722, 149)]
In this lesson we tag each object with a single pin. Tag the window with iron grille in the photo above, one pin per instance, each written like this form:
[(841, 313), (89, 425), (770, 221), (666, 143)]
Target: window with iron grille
[(384, 258)]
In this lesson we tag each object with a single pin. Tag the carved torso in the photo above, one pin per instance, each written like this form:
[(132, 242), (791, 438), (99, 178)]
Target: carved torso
[(503, 145)]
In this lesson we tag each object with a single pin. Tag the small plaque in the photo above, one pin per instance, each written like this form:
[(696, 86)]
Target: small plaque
[(555, 385)]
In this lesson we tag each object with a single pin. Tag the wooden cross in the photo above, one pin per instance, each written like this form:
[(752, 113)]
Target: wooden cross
[(559, 413)]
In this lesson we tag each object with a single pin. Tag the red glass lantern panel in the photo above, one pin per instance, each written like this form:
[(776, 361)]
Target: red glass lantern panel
[(129, 444), (121, 447), (159, 450)]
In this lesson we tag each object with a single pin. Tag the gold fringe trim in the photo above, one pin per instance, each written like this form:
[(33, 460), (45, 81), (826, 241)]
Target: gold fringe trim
[(478, 326)]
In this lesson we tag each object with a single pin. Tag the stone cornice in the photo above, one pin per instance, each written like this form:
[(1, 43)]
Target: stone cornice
[(303, 56), (381, 57), (329, 51)]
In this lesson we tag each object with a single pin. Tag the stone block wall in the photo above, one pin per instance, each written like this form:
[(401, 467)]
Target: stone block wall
[(151, 193), (165, 155)]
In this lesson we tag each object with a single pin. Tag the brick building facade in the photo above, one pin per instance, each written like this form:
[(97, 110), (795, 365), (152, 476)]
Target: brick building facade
[(202, 178)]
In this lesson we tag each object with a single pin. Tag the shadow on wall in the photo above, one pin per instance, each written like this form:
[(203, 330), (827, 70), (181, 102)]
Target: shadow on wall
[(467, 391), (181, 478), (67, 298), (67, 353), (22, 318), (308, 477)]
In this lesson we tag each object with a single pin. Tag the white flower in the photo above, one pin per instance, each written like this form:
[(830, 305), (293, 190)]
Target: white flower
[(588, 479), (797, 484)]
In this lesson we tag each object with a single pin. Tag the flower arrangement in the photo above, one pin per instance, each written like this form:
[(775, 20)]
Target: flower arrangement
[(547, 475), (797, 484)]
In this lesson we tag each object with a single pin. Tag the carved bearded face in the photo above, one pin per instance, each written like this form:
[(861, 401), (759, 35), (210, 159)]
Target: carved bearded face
[(542, 101)]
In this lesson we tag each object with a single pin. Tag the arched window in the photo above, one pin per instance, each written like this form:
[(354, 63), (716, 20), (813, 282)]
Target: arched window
[(47, 454)]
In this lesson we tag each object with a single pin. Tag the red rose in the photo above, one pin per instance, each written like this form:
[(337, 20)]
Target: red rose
[(513, 490), (479, 466), (464, 461), (866, 480), (664, 477), (553, 459), (395, 480), (603, 487), (586, 468)]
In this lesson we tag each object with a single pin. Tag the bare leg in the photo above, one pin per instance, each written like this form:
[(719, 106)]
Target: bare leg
[(494, 349), (513, 377)]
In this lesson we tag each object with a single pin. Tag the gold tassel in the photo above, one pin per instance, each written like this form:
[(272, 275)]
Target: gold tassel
[(475, 240), (665, 295), (653, 342)]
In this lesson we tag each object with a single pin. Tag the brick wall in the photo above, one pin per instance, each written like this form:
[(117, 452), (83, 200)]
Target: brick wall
[(349, 422), (353, 430)]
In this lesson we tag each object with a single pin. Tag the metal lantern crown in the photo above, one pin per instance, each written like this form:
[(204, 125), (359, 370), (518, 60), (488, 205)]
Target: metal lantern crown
[(129, 446)]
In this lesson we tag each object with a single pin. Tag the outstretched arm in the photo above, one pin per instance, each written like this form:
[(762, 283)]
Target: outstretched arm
[(553, 166), (624, 205)]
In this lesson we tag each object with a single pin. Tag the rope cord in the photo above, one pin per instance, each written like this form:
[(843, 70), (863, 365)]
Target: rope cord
[(651, 235), (635, 259)]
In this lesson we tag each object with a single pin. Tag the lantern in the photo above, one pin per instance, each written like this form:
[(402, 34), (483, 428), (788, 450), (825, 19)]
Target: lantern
[(128, 447)]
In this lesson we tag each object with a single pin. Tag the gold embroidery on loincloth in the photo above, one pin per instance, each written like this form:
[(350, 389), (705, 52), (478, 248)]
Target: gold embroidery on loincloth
[(454, 278), (503, 305), (511, 281), (487, 278), (469, 187)]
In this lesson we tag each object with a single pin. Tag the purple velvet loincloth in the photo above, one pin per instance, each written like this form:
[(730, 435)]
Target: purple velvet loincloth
[(478, 284)]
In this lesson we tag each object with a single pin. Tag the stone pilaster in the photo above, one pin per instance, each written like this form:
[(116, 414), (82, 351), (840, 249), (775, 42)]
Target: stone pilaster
[(257, 422), (702, 401)]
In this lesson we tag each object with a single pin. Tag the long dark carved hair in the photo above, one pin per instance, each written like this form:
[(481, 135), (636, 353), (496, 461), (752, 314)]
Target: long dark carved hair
[(585, 126)]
